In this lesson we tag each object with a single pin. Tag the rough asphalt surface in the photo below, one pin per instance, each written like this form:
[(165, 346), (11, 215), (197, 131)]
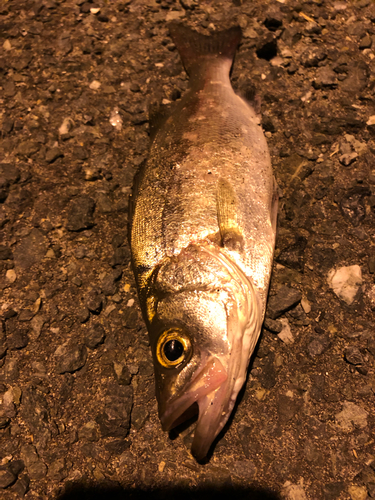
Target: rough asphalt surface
[(78, 416)]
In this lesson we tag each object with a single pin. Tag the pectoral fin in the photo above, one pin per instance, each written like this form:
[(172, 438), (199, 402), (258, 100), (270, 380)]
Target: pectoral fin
[(230, 232)]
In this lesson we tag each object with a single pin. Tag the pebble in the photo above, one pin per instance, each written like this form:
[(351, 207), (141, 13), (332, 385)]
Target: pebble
[(6, 477), (52, 155), (272, 325), (80, 214), (351, 416), (353, 204), (114, 420), (358, 492), (139, 417), (57, 470), (286, 335), (104, 205), (36, 468), (31, 249), (5, 253), (70, 357), (28, 148), (94, 336), (83, 314), (312, 56), (285, 299), (66, 126), (315, 348), (348, 158), (325, 77), (293, 255), (89, 432), (345, 282), (95, 85), (123, 374), (353, 356), (108, 283), (245, 469), (292, 491), (11, 275), (94, 301)]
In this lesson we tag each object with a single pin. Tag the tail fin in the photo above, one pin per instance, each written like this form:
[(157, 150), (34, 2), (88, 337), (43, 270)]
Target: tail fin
[(196, 50)]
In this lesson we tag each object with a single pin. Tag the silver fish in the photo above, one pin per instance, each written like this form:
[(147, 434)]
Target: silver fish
[(202, 235)]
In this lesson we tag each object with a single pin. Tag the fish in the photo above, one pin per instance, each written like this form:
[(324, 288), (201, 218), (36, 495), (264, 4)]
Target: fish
[(202, 227)]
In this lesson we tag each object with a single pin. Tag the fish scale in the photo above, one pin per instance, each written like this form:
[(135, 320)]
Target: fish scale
[(202, 236)]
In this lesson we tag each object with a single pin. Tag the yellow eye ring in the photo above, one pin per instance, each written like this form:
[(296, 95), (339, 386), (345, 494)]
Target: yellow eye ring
[(172, 348)]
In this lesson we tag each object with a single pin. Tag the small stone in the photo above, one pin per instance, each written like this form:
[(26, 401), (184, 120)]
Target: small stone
[(31, 250), (358, 492), (293, 491), (28, 148), (315, 348), (108, 284), (245, 469), (325, 77), (174, 15), (286, 407), (123, 374), (353, 356), (353, 204), (134, 87), (94, 301), (11, 275), (36, 325), (272, 325), (35, 467), (57, 470), (52, 155), (348, 159), (285, 299), (345, 282), (5, 253), (293, 255), (95, 85), (114, 420), (311, 57), (104, 204), (89, 432), (365, 42), (66, 126), (139, 417), (95, 336), (77, 281), (21, 486), (286, 335), (70, 358), (306, 306), (80, 214), (189, 4), (351, 416), (6, 477)]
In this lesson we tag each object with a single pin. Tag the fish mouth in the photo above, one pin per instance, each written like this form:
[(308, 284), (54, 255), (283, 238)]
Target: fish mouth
[(208, 391)]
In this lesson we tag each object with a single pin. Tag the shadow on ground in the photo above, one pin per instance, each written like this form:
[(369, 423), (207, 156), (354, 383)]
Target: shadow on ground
[(98, 491)]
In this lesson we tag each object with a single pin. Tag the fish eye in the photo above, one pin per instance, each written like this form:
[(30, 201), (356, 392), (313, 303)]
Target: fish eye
[(173, 348)]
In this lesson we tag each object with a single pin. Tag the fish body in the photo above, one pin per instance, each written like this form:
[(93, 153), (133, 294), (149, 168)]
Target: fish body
[(202, 235)]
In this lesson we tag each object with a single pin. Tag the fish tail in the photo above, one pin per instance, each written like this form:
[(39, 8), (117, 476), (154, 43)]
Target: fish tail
[(199, 51)]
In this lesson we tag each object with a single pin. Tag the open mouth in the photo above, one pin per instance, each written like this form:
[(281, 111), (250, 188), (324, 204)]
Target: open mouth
[(208, 393)]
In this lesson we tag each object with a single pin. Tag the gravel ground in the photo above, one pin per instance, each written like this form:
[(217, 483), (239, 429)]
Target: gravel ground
[(78, 415)]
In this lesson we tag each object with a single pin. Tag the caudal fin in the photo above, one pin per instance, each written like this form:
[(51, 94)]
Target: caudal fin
[(197, 50)]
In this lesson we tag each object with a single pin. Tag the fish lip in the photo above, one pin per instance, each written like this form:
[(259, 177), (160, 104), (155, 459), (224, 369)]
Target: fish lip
[(211, 376)]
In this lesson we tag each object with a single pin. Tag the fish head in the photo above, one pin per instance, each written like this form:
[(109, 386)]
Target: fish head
[(202, 338)]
